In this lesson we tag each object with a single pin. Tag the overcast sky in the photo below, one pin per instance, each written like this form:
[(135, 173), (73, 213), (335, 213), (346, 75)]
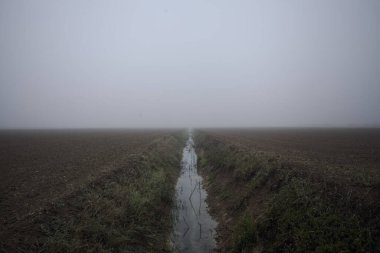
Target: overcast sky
[(195, 63)]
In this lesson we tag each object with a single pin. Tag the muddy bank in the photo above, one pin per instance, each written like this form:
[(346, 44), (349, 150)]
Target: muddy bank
[(263, 204), (194, 228)]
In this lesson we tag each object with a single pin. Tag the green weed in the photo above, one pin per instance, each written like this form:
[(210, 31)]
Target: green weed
[(244, 235)]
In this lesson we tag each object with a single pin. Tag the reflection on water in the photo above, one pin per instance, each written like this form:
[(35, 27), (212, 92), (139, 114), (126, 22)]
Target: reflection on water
[(194, 228)]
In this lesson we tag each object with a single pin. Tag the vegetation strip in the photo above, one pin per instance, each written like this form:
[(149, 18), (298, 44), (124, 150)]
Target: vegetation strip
[(128, 210), (265, 205)]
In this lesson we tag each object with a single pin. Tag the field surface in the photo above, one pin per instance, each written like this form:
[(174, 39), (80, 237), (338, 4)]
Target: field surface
[(40, 168), (294, 190)]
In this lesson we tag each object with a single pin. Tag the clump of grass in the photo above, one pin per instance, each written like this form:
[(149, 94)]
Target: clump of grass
[(263, 173), (244, 235)]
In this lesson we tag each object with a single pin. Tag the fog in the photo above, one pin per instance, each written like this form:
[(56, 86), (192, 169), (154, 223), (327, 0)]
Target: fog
[(198, 63)]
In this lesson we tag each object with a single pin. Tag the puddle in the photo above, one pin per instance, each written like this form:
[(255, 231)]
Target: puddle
[(194, 228)]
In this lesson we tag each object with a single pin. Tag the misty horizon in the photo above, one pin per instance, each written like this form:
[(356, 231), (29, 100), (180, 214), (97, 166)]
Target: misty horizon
[(150, 64)]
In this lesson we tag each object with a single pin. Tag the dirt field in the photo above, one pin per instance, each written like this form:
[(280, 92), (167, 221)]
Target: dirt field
[(41, 168), (294, 190)]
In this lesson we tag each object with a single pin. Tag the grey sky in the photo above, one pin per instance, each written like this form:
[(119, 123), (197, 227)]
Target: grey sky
[(189, 63)]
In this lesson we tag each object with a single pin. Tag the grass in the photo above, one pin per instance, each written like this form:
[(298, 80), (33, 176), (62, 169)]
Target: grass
[(126, 211), (301, 219), (245, 234), (280, 208)]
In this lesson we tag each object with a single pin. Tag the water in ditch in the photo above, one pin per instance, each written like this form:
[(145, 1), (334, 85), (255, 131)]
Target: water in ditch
[(194, 228)]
